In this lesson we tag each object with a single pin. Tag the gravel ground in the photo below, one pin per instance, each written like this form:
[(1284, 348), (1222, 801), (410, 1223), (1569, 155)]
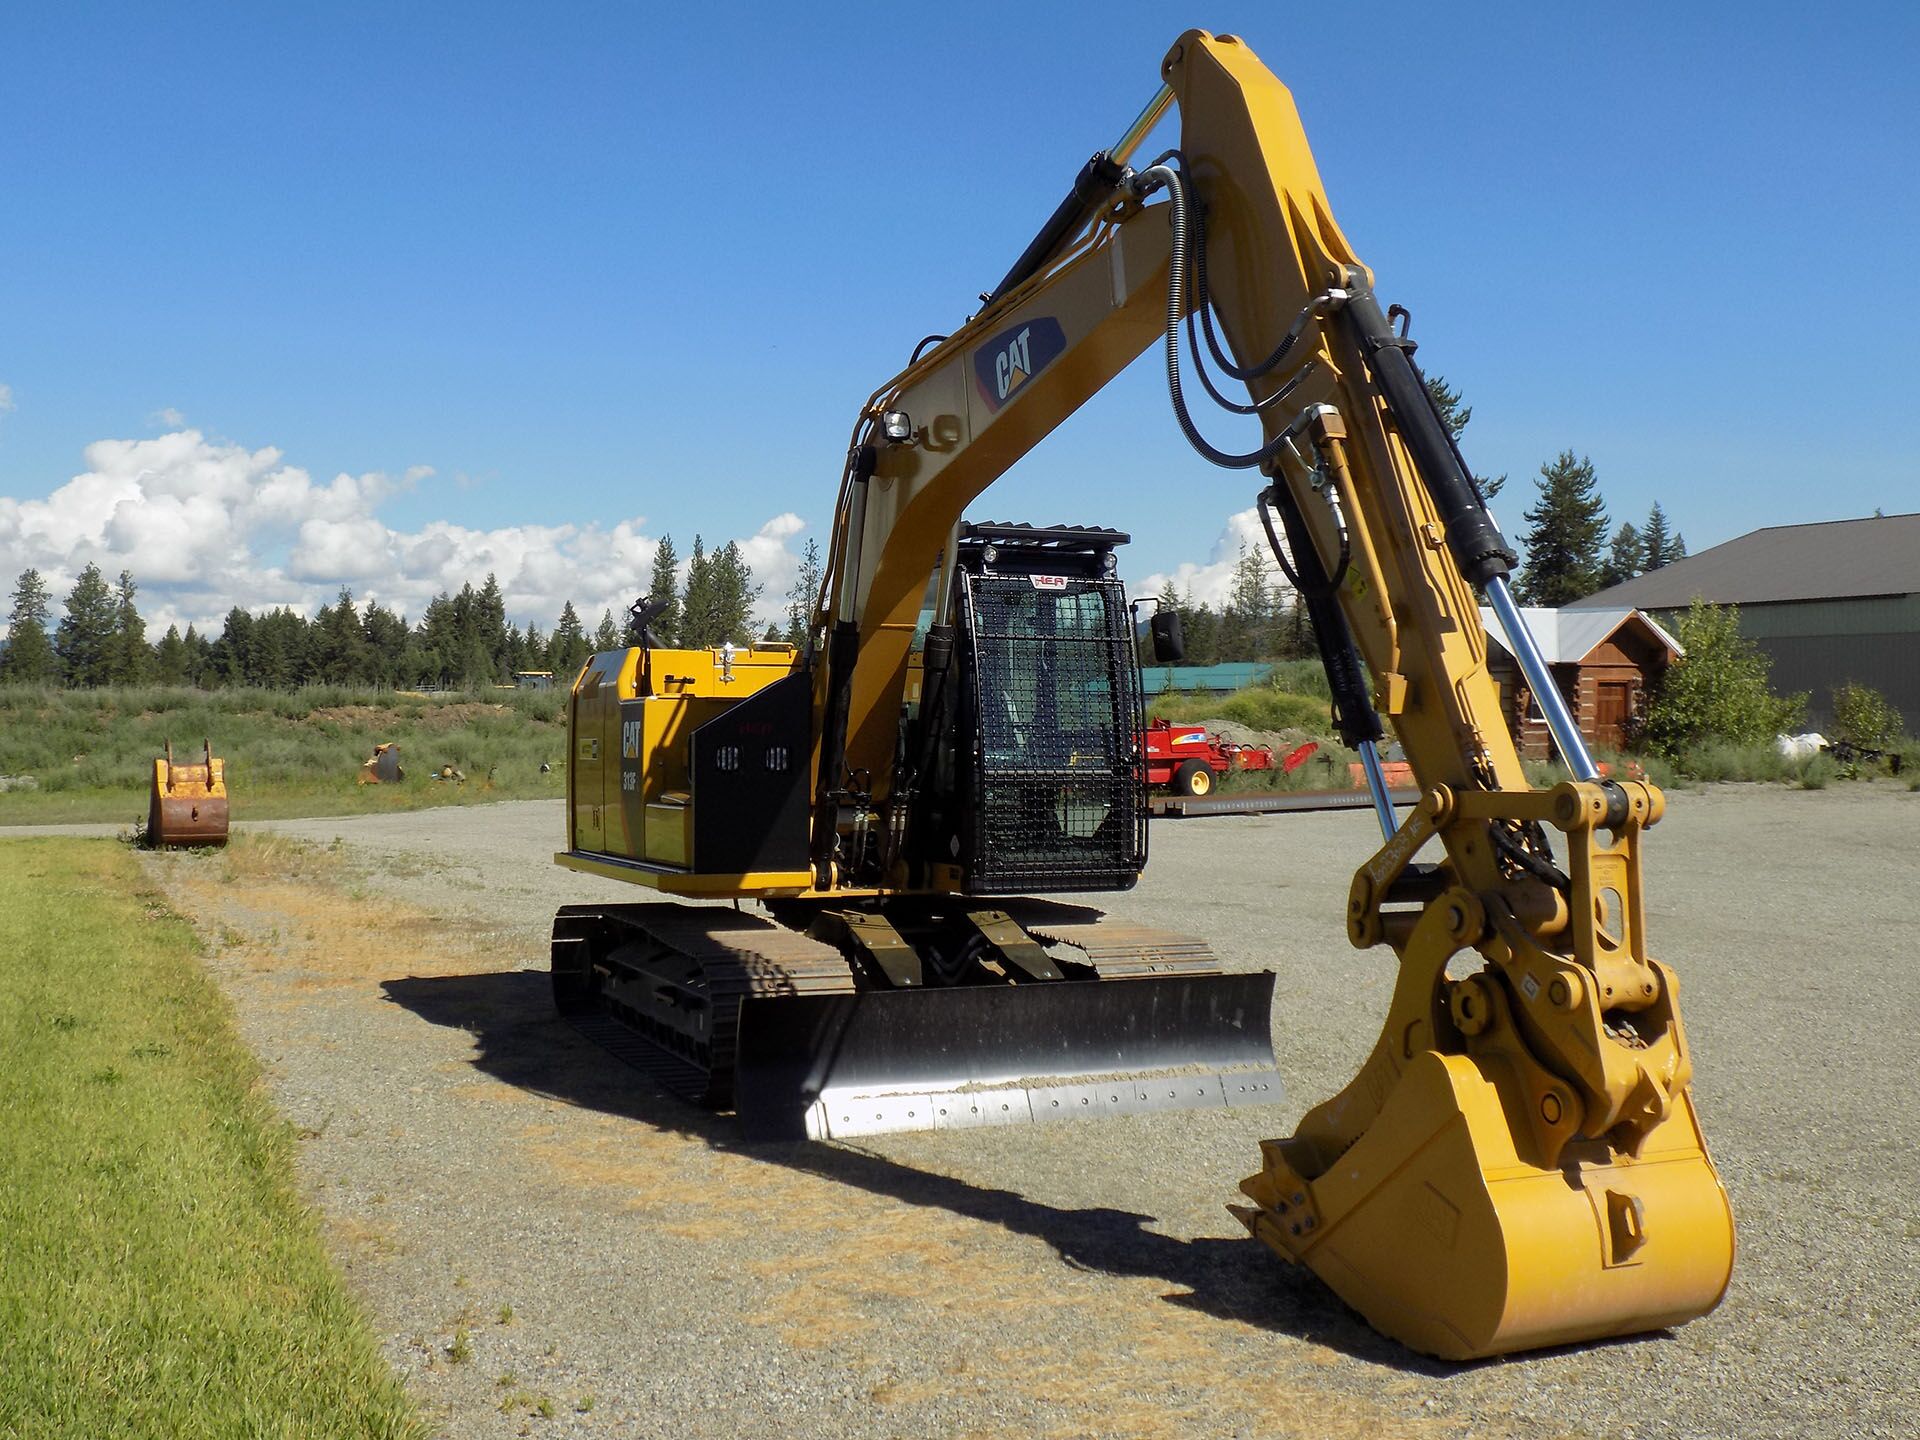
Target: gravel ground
[(471, 1154)]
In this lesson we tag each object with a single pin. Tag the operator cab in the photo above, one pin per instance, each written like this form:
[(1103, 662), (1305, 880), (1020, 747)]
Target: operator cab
[(1044, 791)]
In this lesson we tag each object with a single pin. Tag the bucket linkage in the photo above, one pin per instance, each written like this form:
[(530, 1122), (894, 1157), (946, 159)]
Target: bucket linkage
[(1518, 1163)]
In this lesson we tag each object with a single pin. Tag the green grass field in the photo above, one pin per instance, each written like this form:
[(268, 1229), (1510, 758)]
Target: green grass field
[(159, 1274), (90, 752)]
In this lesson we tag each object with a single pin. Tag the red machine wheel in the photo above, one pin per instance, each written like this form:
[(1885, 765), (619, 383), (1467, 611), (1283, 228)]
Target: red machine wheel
[(1193, 778)]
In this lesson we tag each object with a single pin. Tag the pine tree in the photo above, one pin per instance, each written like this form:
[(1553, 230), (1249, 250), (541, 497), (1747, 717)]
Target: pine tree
[(29, 658), (606, 635), (199, 658), (1455, 416), (1247, 623), (267, 658), (734, 594), (1656, 546), (228, 662), (696, 601), (1626, 558), (466, 656), (280, 653), (171, 659), (1202, 632), (664, 586), (1297, 640), (437, 642), (271, 662), (386, 635), (84, 640), (338, 648), (490, 621), (802, 597), (567, 651), (1566, 528), (129, 661)]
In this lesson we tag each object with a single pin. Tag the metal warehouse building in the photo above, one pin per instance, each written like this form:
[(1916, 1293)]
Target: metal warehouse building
[(1828, 603)]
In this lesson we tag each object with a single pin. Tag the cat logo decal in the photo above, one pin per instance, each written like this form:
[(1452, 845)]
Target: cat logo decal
[(1006, 363)]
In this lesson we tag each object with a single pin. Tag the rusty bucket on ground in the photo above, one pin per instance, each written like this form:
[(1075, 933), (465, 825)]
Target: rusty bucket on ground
[(382, 767), (189, 802)]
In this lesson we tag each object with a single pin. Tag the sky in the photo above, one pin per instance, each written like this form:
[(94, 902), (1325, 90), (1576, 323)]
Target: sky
[(296, 297)]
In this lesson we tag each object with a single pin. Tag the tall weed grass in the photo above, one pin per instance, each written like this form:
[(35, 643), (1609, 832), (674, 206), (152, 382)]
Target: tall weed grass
[(90, 752)]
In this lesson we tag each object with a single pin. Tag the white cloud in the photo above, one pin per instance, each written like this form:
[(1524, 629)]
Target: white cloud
[(1212, 582), (6, 398), (168, 418), (205, 525), (773, 564)]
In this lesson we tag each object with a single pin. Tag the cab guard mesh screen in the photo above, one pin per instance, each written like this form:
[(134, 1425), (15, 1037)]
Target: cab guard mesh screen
[(1060, 803)]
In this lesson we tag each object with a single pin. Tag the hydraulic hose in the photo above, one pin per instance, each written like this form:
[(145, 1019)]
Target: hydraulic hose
[(1200, 303), (1271, 497), (1176, 312), (1203, 294)]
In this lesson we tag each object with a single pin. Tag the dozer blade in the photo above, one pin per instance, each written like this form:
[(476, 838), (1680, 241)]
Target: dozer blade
[(1442, 1236), (188, 803), (831, 1066)]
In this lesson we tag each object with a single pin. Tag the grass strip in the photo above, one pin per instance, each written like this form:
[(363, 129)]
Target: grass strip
[(159, 1273)]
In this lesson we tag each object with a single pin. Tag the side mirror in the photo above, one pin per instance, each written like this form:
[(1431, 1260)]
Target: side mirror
[(1169, 645)]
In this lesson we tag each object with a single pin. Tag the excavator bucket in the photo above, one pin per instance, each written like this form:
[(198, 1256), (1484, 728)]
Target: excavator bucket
[(1441, 1234), (837, 1065), (188, 806), (1518, 1163)]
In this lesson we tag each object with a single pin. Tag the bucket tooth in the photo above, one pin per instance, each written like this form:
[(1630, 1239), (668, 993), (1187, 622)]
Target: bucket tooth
[(1443, 1236)]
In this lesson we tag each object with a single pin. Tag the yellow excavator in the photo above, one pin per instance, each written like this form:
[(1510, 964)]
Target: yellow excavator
[(1518, 1163)]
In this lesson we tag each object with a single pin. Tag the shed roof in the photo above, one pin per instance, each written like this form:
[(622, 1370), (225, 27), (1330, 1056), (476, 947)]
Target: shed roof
[(1566, 637), (1835, 559)]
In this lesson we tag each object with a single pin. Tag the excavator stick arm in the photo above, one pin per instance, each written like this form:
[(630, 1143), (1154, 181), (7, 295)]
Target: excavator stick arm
[(1518, 1162)]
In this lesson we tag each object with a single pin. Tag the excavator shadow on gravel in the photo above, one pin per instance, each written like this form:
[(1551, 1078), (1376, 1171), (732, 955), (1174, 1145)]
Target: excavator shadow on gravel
[(513, 1042)]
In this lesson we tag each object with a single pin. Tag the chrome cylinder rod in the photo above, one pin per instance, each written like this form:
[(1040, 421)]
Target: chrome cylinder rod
[(1533, 665), (1142, 125), (1377, 788)]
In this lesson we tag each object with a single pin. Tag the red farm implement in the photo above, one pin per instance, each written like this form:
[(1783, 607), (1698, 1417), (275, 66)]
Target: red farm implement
[(1188, 759)]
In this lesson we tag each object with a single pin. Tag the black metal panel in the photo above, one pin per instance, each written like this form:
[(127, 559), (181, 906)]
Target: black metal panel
[(1084, 543), (1054, 710), (749, 769)]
